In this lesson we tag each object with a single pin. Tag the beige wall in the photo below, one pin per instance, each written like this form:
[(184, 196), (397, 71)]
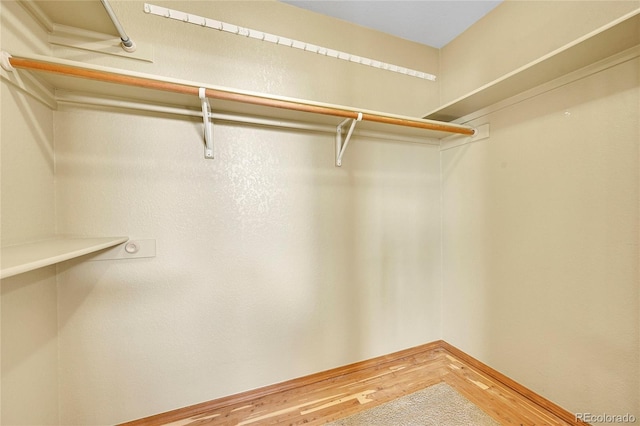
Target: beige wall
[(540, 229), (271, 262), (194, 53), (29, 355), (516, 33), (540, 234)]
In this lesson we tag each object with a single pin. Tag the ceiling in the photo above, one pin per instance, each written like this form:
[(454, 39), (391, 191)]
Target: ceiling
[(431, 22)]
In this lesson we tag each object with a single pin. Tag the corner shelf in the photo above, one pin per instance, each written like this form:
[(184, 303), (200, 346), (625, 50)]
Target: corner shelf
[(608, 40), (27, 257)]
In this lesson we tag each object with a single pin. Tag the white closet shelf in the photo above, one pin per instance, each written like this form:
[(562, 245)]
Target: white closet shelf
[(27, 257), (606, 41), (65, 76)]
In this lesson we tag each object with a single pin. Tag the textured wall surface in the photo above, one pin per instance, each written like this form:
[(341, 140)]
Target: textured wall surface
[(29, 351), (271, 262), (192, 52), (541, 243)]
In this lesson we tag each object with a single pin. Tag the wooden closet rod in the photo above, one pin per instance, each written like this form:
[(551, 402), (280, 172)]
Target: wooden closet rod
[(157, 84)]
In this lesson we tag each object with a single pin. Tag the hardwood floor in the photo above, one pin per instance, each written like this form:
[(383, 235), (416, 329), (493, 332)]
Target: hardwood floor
[(338, 393)]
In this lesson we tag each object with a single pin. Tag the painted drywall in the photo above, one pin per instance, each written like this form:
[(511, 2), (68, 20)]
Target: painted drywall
[(271, 262), (540, 226), (29, 352), (195, 53), (540, 237), (516, 33)]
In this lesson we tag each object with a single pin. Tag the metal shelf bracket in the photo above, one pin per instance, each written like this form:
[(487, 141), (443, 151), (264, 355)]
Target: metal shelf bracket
[(208, 127), (341, 145)]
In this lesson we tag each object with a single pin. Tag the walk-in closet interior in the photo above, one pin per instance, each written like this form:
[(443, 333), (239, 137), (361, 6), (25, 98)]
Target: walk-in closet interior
[(225, 207)]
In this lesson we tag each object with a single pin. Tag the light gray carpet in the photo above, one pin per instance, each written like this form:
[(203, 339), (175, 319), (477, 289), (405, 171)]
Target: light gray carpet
[(439, 405)]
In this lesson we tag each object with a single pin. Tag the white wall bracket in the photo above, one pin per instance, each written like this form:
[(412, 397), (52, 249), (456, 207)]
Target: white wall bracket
[(132, 249), (100, 43), (208, 127), (5, 62), (341, 145), (481, 133)]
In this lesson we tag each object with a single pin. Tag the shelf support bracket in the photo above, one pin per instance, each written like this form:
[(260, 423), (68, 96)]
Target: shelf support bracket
[(208, 127), (479, 133), (341, 145), (5, 61)]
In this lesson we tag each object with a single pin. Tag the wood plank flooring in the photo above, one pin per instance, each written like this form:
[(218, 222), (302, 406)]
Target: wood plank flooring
[(338, 393)]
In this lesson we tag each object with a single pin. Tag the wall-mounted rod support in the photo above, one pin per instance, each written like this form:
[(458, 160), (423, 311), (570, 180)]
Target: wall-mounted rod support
[(127, 44), (5, 61), (230, 117), (341, 145), (208, 128)]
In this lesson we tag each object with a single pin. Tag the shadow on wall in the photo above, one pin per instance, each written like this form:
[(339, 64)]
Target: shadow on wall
[(545, 239), (29, 347)]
